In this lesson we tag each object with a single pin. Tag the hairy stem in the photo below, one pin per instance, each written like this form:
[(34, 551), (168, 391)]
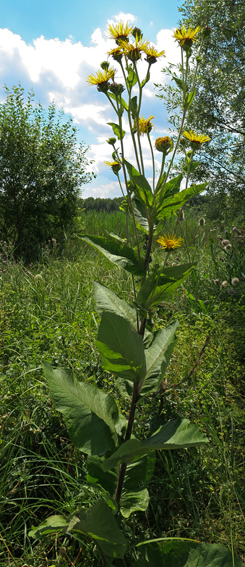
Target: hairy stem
[(123, 466), (153, 162), (129, 118), (126, 185)]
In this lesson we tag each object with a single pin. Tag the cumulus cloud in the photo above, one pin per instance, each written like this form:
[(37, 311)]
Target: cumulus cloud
[(57, 70)]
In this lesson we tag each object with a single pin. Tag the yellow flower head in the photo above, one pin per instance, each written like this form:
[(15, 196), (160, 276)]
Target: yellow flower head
[(114, 165), (186, 37), (145, 126), (119, 32), (116, 54), (134, 51), (152, 54), (195, 139), (101, 79), (170, 242)]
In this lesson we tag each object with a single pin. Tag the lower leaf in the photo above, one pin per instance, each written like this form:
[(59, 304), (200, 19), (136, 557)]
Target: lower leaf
[(134, 501)]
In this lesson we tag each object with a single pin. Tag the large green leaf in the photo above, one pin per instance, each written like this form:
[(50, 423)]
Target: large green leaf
[(92, 416), (191, 166), (107, 300), (134, 496), (98, 523), (133, 106), (167, 206), (177, 553), (49, 526), (120, 99), (137, 501), (144, 192), (157, 358), (139, 473), (171, 188), (132, 77), (140, 215), (96, 474), (176, 434), (158, 288), (116, 129), (121, 348), (117, 252)]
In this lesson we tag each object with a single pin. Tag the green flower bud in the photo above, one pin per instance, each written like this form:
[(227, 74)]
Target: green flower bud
[(206, 31), (116, 88), (116, 168), (137, 32), (103, 87), (105, 65), (164, 145), (111, 141)]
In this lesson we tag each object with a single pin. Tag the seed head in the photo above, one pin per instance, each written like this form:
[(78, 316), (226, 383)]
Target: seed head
[(201, 221)]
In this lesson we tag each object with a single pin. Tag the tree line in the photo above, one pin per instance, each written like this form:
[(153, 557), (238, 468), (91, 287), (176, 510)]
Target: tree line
[(99, 204)]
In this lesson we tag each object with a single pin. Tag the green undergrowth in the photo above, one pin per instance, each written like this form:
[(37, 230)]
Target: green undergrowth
[(47, 312)]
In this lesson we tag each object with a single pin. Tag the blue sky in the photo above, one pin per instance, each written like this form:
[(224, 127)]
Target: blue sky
[(51, 46)]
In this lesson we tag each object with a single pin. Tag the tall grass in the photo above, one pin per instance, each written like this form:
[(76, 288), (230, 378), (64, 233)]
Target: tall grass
[(48, 313)]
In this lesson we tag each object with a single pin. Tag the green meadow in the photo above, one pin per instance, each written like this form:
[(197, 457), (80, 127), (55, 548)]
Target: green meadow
[(48, 313)]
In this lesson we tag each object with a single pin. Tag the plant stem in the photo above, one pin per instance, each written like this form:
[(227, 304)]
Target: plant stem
[(162, 168), (129, 119), (175, 149), (126, 185), (137, 119), (153, 162), (119, 181), (127, 437)]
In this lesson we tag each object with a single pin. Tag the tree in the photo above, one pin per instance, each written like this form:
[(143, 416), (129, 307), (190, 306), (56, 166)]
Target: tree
[(42, 169), (218, 109)]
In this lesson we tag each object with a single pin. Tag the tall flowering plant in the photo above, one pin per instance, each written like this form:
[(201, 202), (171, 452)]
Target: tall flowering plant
[(119, 462)]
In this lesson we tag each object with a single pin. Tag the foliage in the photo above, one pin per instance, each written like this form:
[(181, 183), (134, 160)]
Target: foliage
[(218, 107), (42, 170)]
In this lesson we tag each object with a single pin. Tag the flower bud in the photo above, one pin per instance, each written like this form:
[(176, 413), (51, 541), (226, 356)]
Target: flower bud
[(116, 168), (111, 141), (164, 145), (116, 88), (206, 31), (201, 221), (103, 87), (187, 47), (105, 65), (137, 32)]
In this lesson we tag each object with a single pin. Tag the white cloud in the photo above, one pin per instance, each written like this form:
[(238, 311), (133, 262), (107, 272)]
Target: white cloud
[(121, 17), (108, 190)]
